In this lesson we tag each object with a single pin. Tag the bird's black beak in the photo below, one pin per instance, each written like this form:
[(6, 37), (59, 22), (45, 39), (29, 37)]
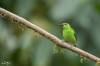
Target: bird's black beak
[(61, 24)]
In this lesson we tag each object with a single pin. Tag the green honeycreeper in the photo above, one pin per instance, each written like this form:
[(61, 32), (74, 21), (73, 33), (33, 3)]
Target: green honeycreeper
[(69, 34)]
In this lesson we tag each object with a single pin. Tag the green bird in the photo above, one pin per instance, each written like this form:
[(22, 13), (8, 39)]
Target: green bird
[(69, 34)]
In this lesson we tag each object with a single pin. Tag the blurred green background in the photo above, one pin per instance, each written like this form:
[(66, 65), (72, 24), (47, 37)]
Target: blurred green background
[(20, 46)]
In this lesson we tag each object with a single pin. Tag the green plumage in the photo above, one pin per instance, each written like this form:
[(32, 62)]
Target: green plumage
[(69, 34), (69, 37)]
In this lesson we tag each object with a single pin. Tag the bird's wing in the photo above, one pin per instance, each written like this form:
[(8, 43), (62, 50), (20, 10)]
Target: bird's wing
[(74, 34)]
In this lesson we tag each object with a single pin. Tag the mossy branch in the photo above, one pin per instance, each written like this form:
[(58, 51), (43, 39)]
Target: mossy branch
[(6, 14)]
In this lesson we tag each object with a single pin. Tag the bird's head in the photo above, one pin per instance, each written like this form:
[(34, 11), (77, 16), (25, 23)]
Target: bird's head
[(66, 25)]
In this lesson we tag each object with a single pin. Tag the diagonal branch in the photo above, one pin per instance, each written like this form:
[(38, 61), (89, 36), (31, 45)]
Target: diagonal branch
[(6, 14)]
